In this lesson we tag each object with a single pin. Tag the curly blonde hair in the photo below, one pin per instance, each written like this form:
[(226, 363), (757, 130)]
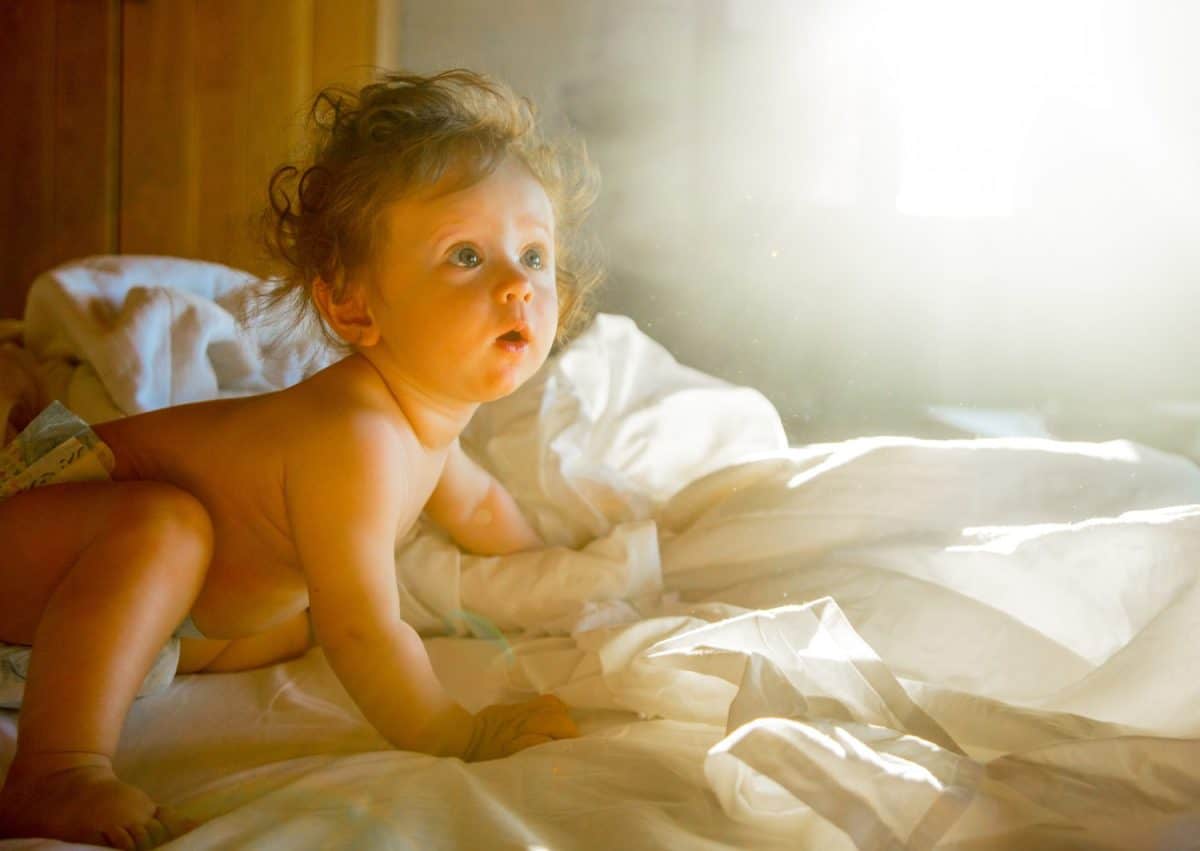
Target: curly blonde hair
[(404, 132)]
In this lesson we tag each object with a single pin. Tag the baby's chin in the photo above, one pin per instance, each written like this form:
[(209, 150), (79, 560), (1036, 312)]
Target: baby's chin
[(498, 372), (499, 390), (501, 383)]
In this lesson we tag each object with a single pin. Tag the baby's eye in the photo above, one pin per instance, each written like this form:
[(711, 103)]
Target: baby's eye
[(533, 258), (465, 256)]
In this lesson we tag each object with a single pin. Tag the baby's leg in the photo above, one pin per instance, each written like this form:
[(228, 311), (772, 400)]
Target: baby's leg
[(96, 576)]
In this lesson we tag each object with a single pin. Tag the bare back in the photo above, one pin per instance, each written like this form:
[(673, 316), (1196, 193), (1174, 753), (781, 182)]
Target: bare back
[(233, 455)]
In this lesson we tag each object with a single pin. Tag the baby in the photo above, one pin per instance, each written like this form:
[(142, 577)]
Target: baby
[(433, 234)]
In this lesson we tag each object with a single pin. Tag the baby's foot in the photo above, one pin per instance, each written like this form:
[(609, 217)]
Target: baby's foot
[(77, 798)]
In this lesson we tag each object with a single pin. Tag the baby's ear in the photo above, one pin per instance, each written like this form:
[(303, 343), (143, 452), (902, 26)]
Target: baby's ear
[(350, 318)]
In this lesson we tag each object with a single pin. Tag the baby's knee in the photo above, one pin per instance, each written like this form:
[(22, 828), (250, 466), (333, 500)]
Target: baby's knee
[(165, 517)]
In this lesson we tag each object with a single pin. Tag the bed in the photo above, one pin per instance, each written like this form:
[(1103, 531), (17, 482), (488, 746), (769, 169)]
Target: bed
[(881, 643)]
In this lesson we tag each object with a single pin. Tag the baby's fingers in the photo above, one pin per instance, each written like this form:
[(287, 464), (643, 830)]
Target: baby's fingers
[(554, 723), (174, 823), (525, 740), (549, 701)]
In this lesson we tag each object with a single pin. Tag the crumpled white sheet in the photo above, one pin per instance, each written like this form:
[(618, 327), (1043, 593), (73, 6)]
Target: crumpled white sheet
[(884, 643), (1009, 668), (592, 448), (118, 335)]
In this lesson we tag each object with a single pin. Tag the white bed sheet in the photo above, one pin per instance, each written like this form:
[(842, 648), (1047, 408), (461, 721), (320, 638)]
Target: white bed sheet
[(883, 643)]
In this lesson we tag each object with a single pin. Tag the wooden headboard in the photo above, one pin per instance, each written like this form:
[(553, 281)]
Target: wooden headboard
[(152, 126)]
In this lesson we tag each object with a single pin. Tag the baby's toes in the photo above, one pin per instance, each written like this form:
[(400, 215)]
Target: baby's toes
[(526, 740), (149, 835), (118, 837), (557, 725), (173, 824), (142, 837), (153, 834)]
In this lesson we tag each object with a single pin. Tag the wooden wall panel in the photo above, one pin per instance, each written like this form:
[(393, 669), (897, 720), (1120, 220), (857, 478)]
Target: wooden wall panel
[(57, 152), (248, 96), (159, 185), (345, 41), (237, 76), (152, 126), (86, 127), (27, 158)]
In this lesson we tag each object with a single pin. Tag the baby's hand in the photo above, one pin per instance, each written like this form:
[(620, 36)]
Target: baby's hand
[(505, 728)]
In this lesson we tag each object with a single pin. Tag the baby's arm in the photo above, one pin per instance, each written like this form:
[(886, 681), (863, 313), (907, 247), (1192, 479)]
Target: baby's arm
[(477, 511), (345, 494)]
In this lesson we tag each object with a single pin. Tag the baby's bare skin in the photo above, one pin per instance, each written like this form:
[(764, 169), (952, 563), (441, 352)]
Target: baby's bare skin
[(233, 455)]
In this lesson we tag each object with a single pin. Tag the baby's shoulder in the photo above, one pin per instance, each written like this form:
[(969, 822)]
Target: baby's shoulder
[(341, 454), (331, 426)]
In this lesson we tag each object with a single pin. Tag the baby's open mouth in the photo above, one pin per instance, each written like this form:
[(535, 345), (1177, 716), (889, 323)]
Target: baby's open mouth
[(518, 336), (515, 341)]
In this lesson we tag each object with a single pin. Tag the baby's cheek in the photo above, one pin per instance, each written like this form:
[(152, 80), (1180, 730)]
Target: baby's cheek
[(549, 315), (548, 334)]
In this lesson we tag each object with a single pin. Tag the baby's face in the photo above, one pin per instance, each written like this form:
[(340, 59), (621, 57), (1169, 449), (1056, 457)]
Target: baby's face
[(464, 290)]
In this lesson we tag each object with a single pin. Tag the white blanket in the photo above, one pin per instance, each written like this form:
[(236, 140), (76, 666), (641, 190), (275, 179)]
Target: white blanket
[(120, 335), (883, 643)]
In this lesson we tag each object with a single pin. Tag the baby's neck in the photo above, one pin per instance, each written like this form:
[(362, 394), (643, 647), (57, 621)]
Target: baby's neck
[(435, 423), (436, 429)]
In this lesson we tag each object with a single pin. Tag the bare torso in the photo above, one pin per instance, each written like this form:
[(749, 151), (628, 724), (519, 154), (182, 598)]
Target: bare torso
[(232, 455)]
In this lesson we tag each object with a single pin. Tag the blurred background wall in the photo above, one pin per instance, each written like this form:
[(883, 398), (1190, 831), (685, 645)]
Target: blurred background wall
[(868, 208), (888, 215)]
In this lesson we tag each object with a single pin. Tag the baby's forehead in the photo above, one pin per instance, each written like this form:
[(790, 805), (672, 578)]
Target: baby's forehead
[(513, 197)]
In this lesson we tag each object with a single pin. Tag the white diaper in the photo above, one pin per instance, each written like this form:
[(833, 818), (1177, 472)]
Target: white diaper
[(56, 447)]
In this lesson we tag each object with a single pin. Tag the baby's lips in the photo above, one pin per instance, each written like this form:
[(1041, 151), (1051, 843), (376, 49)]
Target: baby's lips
[(518, 332)]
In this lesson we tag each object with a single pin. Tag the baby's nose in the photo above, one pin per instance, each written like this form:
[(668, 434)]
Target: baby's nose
[(515, 288)]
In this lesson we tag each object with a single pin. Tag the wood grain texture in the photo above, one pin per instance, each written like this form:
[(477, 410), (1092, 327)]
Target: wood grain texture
[(215, 98), (159, 180), (344, 41), (249, 93), (86, 127), (57, 152), (153, 126)]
